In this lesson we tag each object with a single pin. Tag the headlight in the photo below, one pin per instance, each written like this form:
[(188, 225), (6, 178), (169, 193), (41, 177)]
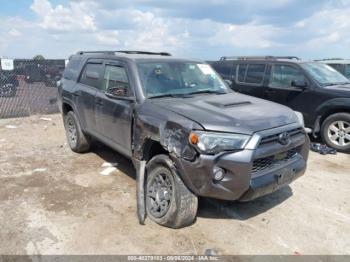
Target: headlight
[(213, 143), (300, 118)]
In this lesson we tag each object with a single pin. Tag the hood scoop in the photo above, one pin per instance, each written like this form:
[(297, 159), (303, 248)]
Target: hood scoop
[(229, 105)]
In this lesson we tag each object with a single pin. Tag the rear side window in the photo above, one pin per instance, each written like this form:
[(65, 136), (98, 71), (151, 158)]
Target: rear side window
[(91, 75), (72, 70), (252, 73)]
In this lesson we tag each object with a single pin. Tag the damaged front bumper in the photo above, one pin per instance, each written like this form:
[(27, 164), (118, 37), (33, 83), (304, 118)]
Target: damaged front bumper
[(262, 168)]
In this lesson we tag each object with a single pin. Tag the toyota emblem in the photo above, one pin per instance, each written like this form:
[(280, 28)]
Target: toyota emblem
[(284, 138)]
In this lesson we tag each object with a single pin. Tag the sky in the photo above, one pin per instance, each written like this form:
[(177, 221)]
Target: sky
[(204, 29)]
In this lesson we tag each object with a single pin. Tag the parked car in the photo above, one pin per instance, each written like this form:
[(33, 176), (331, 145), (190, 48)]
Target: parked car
[(8, 84), (317, 90), (186, 132), (341, 65)]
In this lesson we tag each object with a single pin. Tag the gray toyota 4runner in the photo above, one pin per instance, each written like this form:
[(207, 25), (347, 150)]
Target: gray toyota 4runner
[(186, 132)]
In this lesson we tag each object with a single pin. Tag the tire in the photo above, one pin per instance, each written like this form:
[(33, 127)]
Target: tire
[(179, 204), (335, 131), (77, 140)]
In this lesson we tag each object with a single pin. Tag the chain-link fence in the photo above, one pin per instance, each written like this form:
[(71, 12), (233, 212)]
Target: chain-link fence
[(28, 86)]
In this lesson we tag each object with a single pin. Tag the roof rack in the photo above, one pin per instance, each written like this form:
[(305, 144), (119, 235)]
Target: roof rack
[(145, 53), (125, 52), (327, 59), (258, 57)]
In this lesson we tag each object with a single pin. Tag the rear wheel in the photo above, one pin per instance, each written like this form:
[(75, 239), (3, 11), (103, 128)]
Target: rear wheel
[(335, 131), (168, 201), (77, 140)]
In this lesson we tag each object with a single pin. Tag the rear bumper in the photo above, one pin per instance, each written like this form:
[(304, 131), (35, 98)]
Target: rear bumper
[(240, 181)]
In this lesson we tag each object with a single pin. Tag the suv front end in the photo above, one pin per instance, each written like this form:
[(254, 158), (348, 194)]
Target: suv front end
[(269, 160)]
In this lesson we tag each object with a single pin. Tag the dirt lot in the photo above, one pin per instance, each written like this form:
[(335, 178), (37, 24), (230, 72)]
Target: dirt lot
[(53, 201)]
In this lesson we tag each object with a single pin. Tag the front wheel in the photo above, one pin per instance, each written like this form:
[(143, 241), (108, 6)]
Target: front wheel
[(335, 131), (168, 201)]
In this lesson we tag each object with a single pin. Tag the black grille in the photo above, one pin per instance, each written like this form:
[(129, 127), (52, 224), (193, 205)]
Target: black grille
[(272, 138), (264, 163)]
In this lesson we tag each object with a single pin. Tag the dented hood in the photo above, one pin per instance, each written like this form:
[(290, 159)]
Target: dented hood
[(231, 112)]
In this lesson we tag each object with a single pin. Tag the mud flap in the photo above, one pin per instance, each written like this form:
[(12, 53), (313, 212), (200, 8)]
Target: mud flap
[(140, 190)]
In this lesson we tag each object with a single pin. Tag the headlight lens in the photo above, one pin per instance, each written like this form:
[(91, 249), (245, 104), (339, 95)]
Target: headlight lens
[(213, 143), (300, 118)]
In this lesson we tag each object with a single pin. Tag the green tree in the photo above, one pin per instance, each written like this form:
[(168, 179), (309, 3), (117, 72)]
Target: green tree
[(39, 57)]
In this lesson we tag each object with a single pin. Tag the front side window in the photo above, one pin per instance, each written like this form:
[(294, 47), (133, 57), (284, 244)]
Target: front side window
[(179, 78), (337, 67), (324, 74), (251, 74), (91, 75), (347, 71), (224, 68), (282, 76), (115, 77)]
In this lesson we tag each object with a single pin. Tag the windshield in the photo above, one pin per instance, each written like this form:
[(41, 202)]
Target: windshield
[(324, 74), (179, 79)]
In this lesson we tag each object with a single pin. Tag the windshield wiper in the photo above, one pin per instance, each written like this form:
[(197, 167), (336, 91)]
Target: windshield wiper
[(168, 95), (336, 84), (207, 92)]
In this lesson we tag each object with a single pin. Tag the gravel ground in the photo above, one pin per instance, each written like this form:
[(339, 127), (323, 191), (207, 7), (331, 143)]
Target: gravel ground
[(53, 201)]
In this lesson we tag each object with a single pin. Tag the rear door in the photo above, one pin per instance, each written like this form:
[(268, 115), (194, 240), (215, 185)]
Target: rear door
[(84, 94), (250, 79), (114, 115)]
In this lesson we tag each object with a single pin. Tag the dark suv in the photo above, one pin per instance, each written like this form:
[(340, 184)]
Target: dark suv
[(318, 91), (185, 131)]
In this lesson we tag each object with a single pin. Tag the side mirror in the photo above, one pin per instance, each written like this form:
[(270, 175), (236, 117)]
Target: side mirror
[(300, 84), (228, 82), (119, 92)]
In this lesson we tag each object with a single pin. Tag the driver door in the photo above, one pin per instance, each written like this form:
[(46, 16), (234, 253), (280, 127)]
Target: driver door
[(281, 90), (114, 114)]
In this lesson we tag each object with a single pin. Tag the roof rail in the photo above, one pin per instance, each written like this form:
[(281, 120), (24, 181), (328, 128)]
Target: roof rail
[(95, 52), (258, 57), (327, 59), (125, 52), (144, 53)]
